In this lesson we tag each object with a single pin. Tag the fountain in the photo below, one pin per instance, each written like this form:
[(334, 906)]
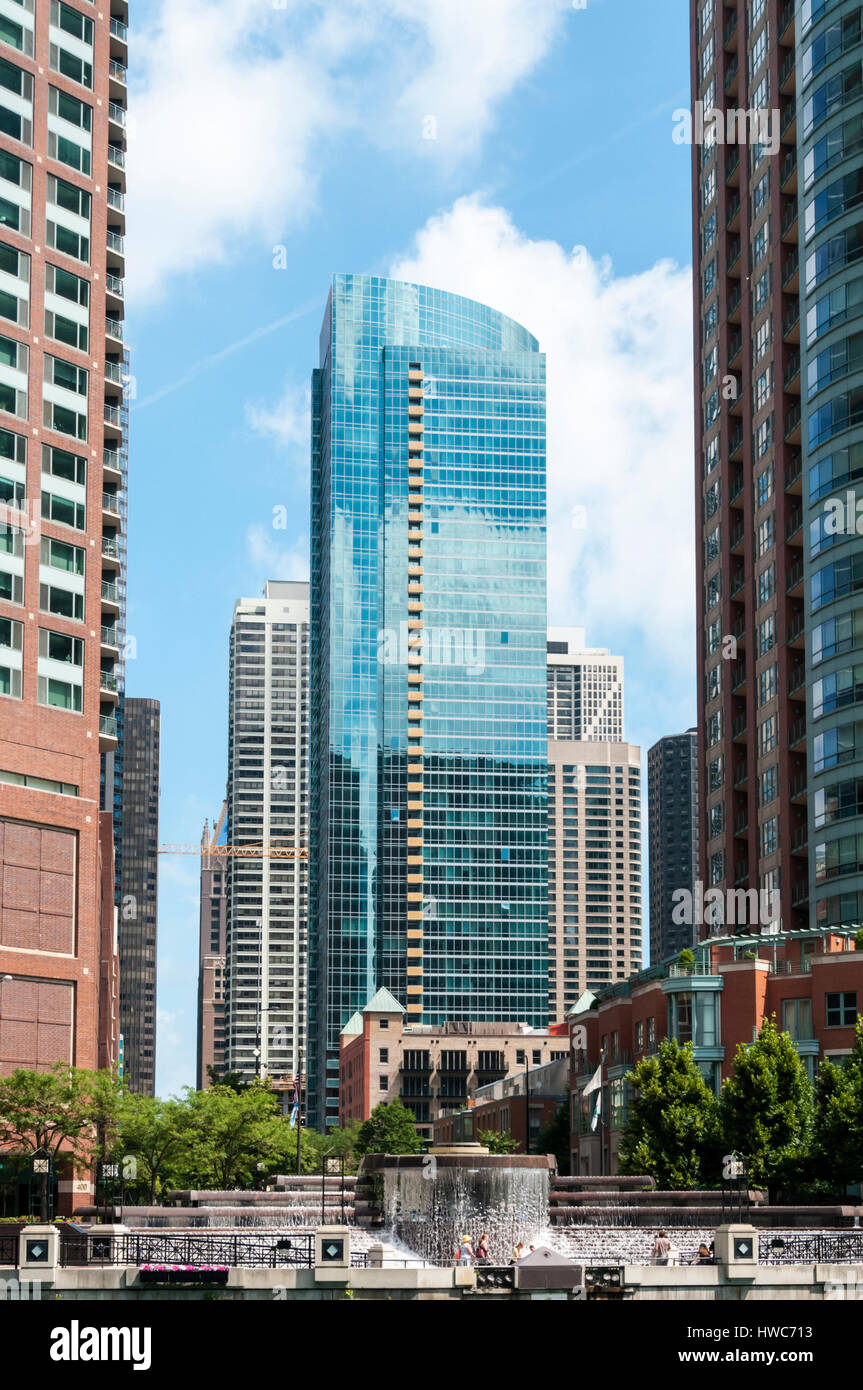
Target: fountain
[(429, 1201)]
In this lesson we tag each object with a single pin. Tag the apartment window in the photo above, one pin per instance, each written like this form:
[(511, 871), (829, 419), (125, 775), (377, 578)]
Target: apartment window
[(767, 734), (766, 635), (761, 192), (14, 365), (61, 464), (63, 510), (715, 771), (12, 122), (762, 340), (764, 486), (766, 584), (767, 684), (11, 645), (768, 835), (384, 1056), (761, 243), (763, 388), (762, 291), (766, 534), (769, 785), (65, 110), (841, 1009)]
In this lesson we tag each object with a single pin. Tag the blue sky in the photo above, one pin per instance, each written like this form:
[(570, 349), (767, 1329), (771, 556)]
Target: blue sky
[(304, 126)]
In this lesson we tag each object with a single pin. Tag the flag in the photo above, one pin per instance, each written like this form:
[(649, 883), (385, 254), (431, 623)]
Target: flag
[(294, 1114), (595, 1082), (597, 1110)]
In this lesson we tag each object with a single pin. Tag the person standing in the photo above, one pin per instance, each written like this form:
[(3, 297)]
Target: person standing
[(482, 1251), (661, 1248), (465, 1251)]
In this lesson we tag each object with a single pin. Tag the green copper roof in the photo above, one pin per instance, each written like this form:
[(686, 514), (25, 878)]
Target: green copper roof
[(383, 1003), (353, 1025)]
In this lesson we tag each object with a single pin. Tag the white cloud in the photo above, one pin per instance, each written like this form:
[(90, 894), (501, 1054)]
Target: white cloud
[(620, 421), (288, 421), (238, 98), (271, 555)]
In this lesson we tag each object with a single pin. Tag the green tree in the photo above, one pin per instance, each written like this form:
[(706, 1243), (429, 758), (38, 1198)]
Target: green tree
[(64, 1108), (837, 1147), (388, 1130), (497, 1141), (154, 1133), (672, 1130), (229, 1134), (766, 1109), (554, 1138)]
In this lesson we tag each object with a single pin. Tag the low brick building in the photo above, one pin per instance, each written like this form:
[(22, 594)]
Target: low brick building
[(432, 1070), (812, 981), (519, 1105)]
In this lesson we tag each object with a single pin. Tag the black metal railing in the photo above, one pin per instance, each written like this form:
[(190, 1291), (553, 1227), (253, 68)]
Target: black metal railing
[(238, 1251), (8, 1249), (830, 1248)]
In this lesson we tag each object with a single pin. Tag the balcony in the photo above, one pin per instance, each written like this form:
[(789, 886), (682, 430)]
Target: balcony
[(798, 787), (111, 462), (794, 578), (734, 296), (795, 630), (110, 639), (110, 594), (789, 220), (111, 551), (118, 72), (790, 267), (114, 285), (740, 775), (730, 30), (738, 728), (786, 71), (736, 488), (108, 686), (114, 329), (797, 678), (736, 537), (786, 17), (741, 870), (788, 177), (732, 212), (791, 372), (116, 113), (113, 417), (799, 839), (794, 472), (116, 156), (107, 733), (117, 200), (733, 256), (738, 675), (731, 81), (794, 523), (741, 824), (797, 733), (735, 441), (792, 424), (732, 163), (791, 324)]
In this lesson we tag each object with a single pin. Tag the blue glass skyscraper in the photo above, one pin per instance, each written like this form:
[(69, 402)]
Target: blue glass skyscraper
[(428, 665)]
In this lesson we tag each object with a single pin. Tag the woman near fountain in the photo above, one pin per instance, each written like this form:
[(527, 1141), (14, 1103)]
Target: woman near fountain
[(464, 1254), (661, 1248), (482, 1251)]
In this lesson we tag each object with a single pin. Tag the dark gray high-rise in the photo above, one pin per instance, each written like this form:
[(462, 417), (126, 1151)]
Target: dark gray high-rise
[(672, 807), (138, 906)]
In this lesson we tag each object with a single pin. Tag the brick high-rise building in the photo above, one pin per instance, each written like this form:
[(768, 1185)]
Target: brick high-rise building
[(751, 417), (211, 966), (139, 901), (779, 348), (62, 466)]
